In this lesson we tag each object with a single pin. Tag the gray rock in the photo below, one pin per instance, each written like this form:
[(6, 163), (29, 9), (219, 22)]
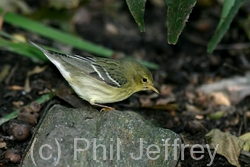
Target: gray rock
[(86, 137)]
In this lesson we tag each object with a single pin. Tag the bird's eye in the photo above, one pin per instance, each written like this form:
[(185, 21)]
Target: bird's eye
[(144, 80)]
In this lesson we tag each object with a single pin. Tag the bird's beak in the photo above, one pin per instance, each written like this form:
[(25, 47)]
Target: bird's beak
[(151, 87)]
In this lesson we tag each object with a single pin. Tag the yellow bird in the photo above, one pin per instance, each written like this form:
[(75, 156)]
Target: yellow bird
[(101, 80)]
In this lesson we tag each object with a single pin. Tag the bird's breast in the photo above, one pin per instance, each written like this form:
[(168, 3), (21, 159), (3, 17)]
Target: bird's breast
[(91, 89)]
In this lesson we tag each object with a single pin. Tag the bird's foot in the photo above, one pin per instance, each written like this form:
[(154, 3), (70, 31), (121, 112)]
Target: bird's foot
[(107, 109), (104, 108)]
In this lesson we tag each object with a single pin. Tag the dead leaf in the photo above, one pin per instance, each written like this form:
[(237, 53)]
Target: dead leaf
[(220, 98), (36, 70), (229, 145), (234, 88), (199, 117), (3, 145), (212, 99)]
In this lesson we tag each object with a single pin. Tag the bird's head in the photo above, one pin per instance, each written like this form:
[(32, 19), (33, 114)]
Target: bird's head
[(141, 76)]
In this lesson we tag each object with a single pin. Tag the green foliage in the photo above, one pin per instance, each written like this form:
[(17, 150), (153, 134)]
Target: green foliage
[(55, 34), (137, 9), (22, 48), (230, 9), (178, 13)]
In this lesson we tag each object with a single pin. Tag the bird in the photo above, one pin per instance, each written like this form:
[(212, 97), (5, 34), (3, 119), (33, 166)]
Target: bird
[(101, 80)]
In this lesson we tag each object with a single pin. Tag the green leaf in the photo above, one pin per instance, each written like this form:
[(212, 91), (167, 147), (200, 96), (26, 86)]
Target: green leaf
[(177, 16), (137, 9), (230, 9), (23, 49), (55, 34)]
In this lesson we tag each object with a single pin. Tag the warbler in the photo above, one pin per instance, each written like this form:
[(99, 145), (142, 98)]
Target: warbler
[(101, 80)]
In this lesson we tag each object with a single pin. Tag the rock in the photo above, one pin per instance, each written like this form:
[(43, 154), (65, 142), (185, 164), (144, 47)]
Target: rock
[(87, 137)]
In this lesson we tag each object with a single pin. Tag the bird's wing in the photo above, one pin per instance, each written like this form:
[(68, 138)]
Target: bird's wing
[(109, 74), (88, 65)]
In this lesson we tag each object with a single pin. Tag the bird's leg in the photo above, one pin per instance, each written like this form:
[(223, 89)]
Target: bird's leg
[(104, 108)]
